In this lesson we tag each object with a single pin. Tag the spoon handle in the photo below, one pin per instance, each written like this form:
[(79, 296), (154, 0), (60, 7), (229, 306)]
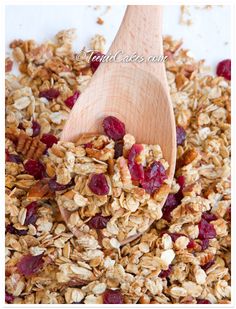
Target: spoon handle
[(140, 33)]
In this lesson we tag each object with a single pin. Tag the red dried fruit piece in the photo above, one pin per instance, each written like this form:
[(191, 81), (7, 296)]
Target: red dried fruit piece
[(170, 204), (12, 157), (88, 145), (49, 140), (175, 236), (134, 152), (165, 273), (49, 94), (29, 264), (204, 244), (173, 200), (12, 230), (203, 301), (70, 101), (191, 244), (224, 69), (112, 297), (31, 213), (98, 184), (154, 176), (113, 128), (209, 216), (118, 149), (98, 222), (55, 186), (181, 181), (180, 135), (36, 128), (35, 168), (207, 265), (136, 169), (96, 60), (206, 230), (9, 298)]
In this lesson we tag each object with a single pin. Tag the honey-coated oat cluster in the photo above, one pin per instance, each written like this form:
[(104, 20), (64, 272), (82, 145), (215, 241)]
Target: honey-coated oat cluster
[(183, 258)]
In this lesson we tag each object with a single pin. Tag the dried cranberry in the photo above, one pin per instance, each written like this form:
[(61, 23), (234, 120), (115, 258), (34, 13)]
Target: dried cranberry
[(118, 149), (96, 60), (88, 145), (12, 157), (207, 265), (180, 135), (203, 301), (12, 230), (35, 168), (9, 298), (31, 213), (49, 94), (224, 69), (205, 244), (55, 186), (112, 297), (98, 184), (49, 140), (173, 200), (36, 128), (154, 176), (30, 264), (165, 273), (70, 101), (134, 152), (181, 181), (136, 171), (170, 204), (209, 216), (191, 244), (175, 236), (114, 128), (206, 230), (98, 222)]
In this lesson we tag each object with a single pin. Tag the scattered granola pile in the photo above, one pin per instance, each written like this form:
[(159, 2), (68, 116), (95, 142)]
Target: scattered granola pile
[(184, 258)]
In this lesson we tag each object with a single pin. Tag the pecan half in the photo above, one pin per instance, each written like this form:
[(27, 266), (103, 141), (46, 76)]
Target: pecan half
[(30, 147)]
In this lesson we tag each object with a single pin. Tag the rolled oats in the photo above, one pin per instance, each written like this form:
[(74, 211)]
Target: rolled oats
[(168, 264)]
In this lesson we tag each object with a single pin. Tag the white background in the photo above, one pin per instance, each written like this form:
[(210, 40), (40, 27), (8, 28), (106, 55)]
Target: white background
[(207, 38)]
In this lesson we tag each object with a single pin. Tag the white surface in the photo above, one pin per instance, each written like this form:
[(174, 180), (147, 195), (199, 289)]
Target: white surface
[(208, 37)]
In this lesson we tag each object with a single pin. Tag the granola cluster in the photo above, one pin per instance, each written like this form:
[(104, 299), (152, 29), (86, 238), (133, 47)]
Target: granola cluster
[(117, 205), (184, 257)]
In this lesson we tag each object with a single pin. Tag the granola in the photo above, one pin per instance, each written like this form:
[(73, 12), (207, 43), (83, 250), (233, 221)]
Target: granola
[(184, 257), (116, 204)]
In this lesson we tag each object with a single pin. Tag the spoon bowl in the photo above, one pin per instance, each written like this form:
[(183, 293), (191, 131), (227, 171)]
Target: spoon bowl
[(145, 112), (135, 93)]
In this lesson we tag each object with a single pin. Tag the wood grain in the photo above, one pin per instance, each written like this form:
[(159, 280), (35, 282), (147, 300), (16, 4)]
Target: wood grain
[(136, 93)]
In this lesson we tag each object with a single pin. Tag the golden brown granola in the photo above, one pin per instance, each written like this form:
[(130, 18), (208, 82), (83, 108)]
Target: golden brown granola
[(129, 208), (170, 263)]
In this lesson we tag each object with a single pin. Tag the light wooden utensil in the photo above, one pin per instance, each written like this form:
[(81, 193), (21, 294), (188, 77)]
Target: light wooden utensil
[(136, 93)]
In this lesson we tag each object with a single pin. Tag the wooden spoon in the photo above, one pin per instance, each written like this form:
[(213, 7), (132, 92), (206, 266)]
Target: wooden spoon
[(136, 93)]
